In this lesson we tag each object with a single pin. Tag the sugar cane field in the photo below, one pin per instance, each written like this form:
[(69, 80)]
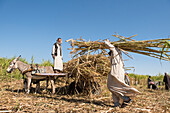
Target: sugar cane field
[(69, 98)]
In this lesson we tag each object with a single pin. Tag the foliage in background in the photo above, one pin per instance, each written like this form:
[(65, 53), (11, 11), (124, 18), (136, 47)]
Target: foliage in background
[(46, 63), (155, 78), (4, 63), (142, 79)]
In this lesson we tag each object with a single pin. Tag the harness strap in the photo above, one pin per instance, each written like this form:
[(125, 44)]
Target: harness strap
[(28, 70)]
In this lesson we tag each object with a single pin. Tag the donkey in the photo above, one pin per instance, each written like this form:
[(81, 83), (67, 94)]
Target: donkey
[(22, 67)]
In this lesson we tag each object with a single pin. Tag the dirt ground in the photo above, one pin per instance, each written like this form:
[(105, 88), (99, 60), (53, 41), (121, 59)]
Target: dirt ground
[(13, 99)]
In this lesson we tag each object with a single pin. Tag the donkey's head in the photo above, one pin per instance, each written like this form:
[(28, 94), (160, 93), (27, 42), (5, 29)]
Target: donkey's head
[(13, 65)]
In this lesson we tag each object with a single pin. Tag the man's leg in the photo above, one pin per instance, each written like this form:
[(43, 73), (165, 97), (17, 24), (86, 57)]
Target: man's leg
[(166, 86), (115, 99), (149, 86), (126, 99), (52, 84)]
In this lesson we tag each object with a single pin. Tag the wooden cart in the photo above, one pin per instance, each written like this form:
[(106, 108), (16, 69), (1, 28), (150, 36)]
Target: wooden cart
[(51, 77)]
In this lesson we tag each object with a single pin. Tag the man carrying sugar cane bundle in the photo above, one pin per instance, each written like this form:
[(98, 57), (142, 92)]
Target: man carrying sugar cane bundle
[(121, 92)]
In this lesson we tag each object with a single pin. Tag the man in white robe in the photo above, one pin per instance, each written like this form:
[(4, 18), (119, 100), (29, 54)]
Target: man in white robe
[(121, 92), (57, 56)]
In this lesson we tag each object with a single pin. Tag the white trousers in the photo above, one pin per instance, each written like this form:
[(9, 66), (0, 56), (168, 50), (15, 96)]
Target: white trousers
[(58, 63)]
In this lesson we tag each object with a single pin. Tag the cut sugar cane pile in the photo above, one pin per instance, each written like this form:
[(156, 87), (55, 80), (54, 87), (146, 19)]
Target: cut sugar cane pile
[(157, 48), (86, 71)]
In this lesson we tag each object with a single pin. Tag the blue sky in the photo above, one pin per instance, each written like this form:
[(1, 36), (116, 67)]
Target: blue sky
[(30, 27)]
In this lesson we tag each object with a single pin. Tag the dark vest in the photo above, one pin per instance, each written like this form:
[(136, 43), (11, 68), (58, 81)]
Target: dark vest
[(56, 48)]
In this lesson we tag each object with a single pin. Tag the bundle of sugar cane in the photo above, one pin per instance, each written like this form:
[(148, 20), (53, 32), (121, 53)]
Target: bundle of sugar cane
[(157, 48)]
